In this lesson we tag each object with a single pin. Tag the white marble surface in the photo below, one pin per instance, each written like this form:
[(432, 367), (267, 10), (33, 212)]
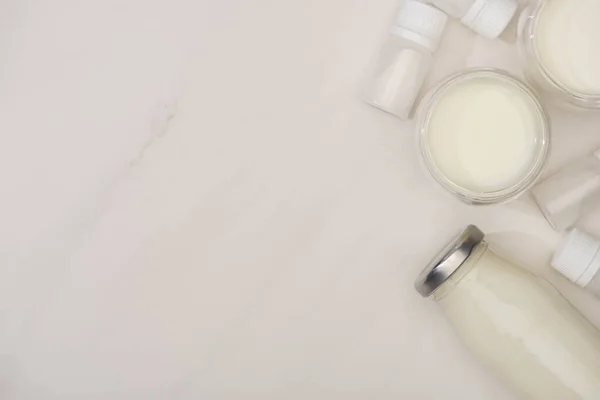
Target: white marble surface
[(196, 205)]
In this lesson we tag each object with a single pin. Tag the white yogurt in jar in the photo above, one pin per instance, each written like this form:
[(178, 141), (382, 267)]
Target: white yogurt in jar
[(484, 136), (566, 39)]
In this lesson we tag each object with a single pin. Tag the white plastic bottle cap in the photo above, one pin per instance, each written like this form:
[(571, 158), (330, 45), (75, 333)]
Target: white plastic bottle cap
[(578, 257), (420, 23), (489, 18)]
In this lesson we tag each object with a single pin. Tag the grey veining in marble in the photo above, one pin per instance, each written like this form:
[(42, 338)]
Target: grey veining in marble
[(196, 205)]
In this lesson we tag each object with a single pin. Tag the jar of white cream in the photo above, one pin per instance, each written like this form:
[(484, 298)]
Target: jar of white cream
[(560, 51), (484, 136)]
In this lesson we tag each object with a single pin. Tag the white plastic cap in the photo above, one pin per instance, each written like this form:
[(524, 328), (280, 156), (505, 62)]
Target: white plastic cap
[(578, 257), (420, 23), (489, 18)]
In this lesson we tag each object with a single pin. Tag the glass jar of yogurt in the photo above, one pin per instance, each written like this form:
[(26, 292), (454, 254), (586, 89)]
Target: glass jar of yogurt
[(559, 47), (515, 322), (484, 136)]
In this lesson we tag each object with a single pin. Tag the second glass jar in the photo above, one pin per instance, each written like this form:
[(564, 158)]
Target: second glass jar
[(558, 41)]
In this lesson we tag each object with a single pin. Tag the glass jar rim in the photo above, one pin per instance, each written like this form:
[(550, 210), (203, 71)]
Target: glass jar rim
[(539, 159), (587, 100)]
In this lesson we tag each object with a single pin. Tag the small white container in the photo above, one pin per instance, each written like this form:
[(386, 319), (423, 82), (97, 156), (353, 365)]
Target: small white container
[(484, 136), (514, 322), (489, 18), (572, 193), (578, 259), (559, 47), (405, 59)]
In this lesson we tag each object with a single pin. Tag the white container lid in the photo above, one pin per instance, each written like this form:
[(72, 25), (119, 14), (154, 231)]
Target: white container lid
[(489, 18), (420, 23), (578, 257)]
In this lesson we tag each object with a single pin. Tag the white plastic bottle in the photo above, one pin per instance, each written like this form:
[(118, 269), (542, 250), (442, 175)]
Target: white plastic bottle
[(405, 59), (570, 194), (515, 322), (489, 18), (578, 259)]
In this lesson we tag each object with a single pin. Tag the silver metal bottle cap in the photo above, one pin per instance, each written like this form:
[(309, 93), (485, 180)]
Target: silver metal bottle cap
[(448, 260)]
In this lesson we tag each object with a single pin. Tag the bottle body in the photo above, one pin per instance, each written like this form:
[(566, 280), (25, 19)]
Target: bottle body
[(523, 328), (398, 76), (405, 58), (572, 193)]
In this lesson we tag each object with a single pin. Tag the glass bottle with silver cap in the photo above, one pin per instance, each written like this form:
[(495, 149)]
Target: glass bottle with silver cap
[(514, 321)]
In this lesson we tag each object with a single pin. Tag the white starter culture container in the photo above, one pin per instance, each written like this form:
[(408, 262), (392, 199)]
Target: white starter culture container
[(489, 18), (405, 59)]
